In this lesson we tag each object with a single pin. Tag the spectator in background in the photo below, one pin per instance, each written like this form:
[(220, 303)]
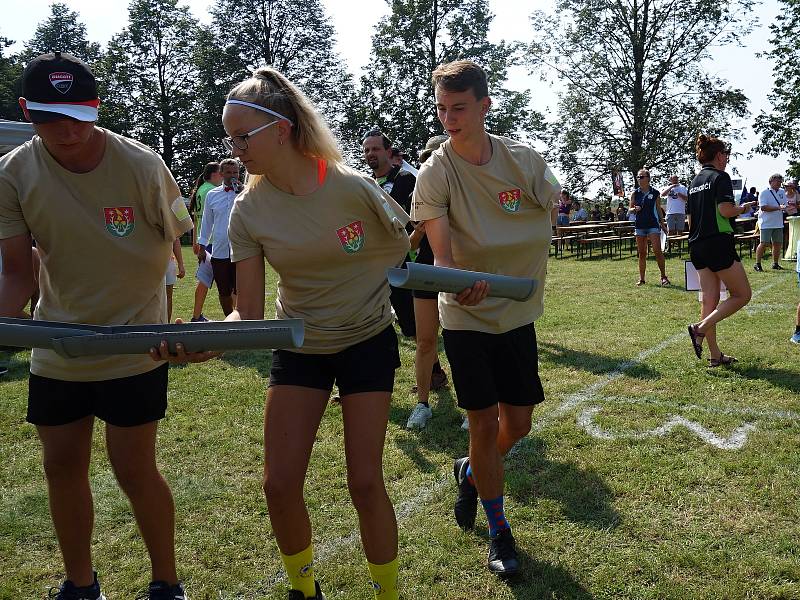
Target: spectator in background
[(579, 213), (596, 214), (790, 190), (771, 204), (622, 212), (645, 206), (564, 208), (210, 178), (608, 215), (396, 157), (676, 195)]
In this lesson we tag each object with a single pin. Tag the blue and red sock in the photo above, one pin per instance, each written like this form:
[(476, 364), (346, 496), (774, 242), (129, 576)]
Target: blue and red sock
[(496, 515)]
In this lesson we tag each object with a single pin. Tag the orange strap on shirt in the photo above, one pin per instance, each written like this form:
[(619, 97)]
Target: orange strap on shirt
[(322, 170)]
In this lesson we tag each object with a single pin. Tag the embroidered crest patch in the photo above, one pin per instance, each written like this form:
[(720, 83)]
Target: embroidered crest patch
[(351, 237), (509, 200), (119, 220)]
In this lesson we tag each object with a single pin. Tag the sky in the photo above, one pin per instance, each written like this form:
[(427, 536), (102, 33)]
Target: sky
[(354, 29)]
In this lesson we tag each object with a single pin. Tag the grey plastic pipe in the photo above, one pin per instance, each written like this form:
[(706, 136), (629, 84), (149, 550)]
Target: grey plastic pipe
[(430, 278)]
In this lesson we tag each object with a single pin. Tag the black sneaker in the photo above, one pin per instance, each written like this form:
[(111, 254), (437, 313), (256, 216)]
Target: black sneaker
[(466, 506), (776, 267), (69, 591), (503, 559), (161, 590), (757, 268), (298, 595)]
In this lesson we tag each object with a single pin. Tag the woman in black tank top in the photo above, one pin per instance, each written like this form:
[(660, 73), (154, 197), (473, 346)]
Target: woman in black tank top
[(710, 206)]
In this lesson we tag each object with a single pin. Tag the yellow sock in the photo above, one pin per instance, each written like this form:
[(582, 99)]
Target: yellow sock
[(384, 580), (300, 570)]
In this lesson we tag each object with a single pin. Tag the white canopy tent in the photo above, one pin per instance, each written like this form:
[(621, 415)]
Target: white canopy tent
[(13, 134)]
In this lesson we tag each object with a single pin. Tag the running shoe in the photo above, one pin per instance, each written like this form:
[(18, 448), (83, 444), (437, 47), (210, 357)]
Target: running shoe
[(298, 595), (757, 268), (503, 559), (776, 267), (795, 339), (69, 591), (466, 506), (200, 319), (419, 416), (161, 590)]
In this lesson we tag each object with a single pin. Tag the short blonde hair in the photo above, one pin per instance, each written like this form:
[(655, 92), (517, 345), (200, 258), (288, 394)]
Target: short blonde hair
[(267, 87)]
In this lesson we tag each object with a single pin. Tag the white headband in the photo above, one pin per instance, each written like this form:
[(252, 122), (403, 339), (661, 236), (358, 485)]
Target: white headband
[(261, 108)]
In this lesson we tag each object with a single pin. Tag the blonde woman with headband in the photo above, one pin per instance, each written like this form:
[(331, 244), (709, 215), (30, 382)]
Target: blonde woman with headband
[(330, 233)]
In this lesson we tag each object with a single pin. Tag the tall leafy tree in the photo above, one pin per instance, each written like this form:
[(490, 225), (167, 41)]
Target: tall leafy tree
[(294, 36), (778, 127), (409, 44), (62, 31), (150, 78), (10, 82), (634, 90)]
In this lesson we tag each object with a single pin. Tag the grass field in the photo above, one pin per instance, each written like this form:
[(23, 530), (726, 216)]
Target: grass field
[(647, 475)]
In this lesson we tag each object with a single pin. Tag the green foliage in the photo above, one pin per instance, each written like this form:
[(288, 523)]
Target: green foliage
[(409, 44), (635, 93), (10, 83), (150, 74), (778, 128), (61, 31), (293, 36)]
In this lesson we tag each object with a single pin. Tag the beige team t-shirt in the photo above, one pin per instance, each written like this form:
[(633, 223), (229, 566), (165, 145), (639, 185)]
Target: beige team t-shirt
[(331, 250), (104, 238), (499, 216)]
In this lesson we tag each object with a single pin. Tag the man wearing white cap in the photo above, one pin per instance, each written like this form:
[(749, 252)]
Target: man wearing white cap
[(104, 211)]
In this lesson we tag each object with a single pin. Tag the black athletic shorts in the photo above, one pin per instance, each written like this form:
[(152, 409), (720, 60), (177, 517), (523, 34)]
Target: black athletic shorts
[(124, 402), (715, 253), (368, 366), (489, 368), (425, 257), (224, 275)]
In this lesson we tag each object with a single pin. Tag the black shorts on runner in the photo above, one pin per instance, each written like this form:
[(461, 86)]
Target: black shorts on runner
[(123, 402), (368, 366), (224, 275), (425, 257), (492, 368), (716, 253)]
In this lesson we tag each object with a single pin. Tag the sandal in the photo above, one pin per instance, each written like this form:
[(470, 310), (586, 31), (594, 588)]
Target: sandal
[(665, 282), (723, 360), (640, 283), (697, 340)]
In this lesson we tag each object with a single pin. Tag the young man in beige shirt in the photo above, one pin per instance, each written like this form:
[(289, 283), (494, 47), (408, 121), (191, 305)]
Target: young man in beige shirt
[(488, 204), (104, 211)]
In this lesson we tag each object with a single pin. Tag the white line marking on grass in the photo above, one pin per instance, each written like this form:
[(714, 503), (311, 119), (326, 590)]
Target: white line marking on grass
[(735, 441), (753, 309)]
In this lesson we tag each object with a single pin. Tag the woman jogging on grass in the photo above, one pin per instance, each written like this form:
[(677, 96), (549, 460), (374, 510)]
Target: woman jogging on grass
[(711, 209), (330, 233)]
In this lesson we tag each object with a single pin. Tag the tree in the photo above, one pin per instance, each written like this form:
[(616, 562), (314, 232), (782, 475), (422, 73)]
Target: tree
[(150, 78), (10, 83), (635, 93), (409, 44), (294, 36), (778, 128), (61, 31)]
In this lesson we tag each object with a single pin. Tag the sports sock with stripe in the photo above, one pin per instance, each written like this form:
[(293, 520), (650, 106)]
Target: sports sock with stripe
[(496, 515)]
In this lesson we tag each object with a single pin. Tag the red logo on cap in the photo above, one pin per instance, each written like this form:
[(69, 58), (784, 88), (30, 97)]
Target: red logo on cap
[(61, 81)]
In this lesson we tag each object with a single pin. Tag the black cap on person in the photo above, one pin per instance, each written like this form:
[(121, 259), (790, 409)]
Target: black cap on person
[(58, 85)]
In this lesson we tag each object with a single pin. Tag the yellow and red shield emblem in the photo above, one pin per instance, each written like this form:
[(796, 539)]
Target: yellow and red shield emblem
[(119, 220), (351, 237), (509, 200)]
